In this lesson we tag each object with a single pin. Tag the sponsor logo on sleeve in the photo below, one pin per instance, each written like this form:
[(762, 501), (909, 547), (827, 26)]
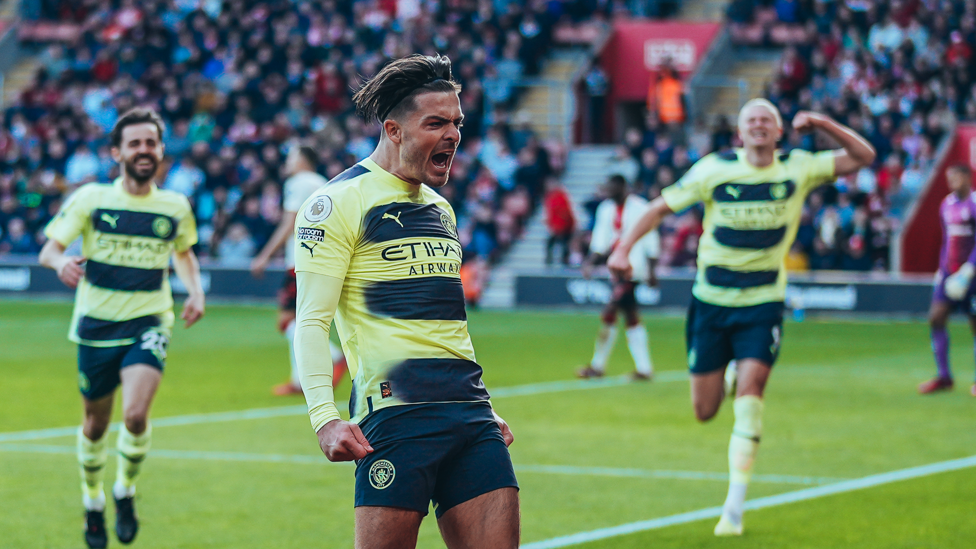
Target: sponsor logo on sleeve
[(319, 209), (308, 233)]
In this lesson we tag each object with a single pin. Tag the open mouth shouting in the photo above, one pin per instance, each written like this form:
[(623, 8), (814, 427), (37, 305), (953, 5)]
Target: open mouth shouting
[(442, 160)]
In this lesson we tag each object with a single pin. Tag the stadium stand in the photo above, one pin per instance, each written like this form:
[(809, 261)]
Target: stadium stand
[(236, 81), (900, 72)]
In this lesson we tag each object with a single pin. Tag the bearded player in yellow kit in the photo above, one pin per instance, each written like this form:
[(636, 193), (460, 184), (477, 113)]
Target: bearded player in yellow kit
[(123, 315), (379, 251), (753, 198)]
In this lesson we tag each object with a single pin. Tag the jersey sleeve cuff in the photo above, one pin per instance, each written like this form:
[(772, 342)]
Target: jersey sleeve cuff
[(322, 414)]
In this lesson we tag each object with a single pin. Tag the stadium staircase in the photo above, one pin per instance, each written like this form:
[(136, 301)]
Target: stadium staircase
[(586, 167), (547, 102), (747, 77), (703, 10), (21, 74)]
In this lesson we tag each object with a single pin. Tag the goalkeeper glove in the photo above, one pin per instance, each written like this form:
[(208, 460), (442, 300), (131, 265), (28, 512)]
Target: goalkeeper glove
[(957, 284)]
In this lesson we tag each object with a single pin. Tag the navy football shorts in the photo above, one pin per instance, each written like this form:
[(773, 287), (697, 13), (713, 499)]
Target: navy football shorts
[(99, 367), (443, 453), (716, 335)]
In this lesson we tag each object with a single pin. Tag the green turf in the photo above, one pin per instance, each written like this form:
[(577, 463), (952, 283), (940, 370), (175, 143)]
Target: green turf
[(840, 405)]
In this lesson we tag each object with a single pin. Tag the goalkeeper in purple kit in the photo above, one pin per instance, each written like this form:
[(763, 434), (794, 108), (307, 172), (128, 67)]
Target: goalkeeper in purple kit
[(954, 286)]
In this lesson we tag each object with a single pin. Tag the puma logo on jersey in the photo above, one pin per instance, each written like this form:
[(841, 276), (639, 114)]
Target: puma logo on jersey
[(311, 251), (110, 219), (734, 192), (397, 218)]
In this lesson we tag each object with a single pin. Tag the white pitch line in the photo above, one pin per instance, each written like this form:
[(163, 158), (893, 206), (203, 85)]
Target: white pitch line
[(540, 469), (666, 474), (761, 503), (298, 410)]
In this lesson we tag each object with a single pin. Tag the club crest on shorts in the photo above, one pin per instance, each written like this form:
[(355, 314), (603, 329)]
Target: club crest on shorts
[(83, 382), (381, 474), (319, 209), (449, 225)]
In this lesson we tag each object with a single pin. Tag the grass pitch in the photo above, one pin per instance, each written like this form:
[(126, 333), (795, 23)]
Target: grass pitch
[(840, 405)]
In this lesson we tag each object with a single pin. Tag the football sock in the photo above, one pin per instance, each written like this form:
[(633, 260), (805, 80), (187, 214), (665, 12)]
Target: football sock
[(940, 347), (92, 455), (637, 342), (604, 344), (743, 446), (290, 336), (132, 450)]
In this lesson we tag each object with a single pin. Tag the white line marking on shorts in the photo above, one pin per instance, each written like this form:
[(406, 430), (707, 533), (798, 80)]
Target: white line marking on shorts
[(540, 469), (761, 503), (298, 410)]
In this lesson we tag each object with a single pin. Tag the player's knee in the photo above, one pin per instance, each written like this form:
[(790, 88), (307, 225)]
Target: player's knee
[(705, 411), (632, 319), (95, 428), (609, 315), (135, 421), (937, 321)]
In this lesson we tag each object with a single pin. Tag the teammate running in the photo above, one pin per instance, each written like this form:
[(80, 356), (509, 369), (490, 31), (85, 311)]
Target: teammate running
[(123, 314), (753, 198), (954, 281), (379, 250), (303, 180), (615, 215)]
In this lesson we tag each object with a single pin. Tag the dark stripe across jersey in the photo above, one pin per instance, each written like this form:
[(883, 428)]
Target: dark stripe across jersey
[(96, 329), (126, 279)]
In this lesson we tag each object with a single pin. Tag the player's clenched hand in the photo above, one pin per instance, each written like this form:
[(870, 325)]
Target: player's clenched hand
[(806, 121), (506, 430), (343, 441), (70, 271), (619, 265), (192, 309)]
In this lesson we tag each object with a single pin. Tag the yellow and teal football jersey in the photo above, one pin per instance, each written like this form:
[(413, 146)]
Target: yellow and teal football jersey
[(401, 316), (751, 218), (127, 241)]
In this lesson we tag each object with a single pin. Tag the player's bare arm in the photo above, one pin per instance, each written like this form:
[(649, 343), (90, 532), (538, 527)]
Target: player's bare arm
[(619, 262), (855, 152), (286, 228), (188, 269), (69, 267)]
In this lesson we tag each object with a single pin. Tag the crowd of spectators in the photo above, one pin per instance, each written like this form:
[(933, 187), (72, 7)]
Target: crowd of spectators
[(238, 81), (900, 72)]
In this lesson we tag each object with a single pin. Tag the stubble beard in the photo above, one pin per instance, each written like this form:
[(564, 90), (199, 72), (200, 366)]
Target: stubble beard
[(133, 171)]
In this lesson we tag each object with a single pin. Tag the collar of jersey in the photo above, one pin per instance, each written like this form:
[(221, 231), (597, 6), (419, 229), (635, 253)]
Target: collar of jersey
[(388, 177), (740, 156), (118, 185)]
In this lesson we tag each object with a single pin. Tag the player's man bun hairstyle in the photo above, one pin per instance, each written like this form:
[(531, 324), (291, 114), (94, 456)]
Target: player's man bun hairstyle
[(390, 93), (138, 115)]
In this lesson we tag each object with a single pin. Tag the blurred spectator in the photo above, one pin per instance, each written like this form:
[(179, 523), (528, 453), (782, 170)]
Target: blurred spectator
[(237, 247), (597, 85), (83, 166), (184, 177), (666, 96), (559, 219)]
